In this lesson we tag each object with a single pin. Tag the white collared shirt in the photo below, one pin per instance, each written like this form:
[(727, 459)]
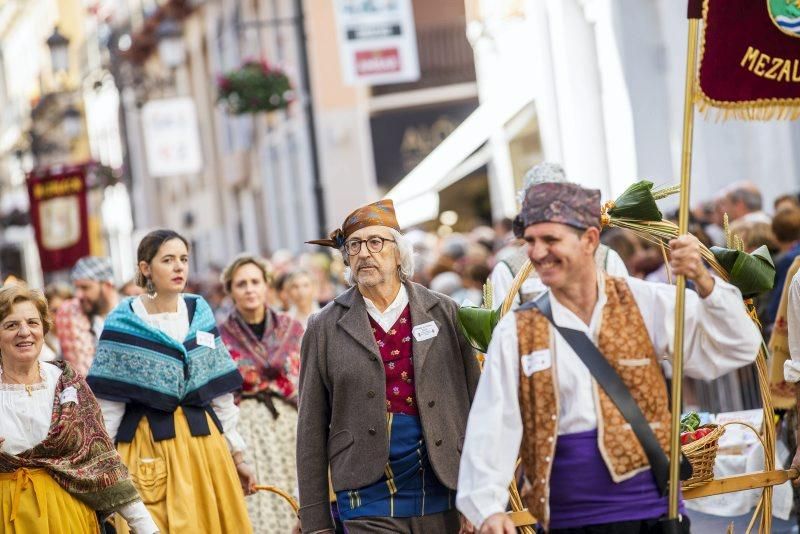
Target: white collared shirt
[(391, 314), (719, 337)]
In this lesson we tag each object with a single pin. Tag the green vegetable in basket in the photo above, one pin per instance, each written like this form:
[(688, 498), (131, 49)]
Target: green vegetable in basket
[(690, 422)]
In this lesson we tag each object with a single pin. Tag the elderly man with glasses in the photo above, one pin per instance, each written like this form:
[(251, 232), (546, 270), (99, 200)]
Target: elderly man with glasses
[(386, 383)]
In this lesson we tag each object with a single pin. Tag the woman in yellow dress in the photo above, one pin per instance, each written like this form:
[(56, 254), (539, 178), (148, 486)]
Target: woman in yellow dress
[(59, 471), (165, 383)]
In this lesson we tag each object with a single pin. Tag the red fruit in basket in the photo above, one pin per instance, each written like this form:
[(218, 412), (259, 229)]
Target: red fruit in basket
[(701, 432), (687, 437)]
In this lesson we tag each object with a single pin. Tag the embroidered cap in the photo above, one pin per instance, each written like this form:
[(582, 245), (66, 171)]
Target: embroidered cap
[(559, 202), (379, 213), (93, 268)]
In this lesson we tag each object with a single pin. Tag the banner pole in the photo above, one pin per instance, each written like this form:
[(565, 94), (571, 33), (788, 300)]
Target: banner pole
[(683, 224)]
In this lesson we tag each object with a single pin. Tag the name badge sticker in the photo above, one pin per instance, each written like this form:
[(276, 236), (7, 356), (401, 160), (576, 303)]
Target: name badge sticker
[(206, 339), (69, 394), (425, 331), (536, 361)]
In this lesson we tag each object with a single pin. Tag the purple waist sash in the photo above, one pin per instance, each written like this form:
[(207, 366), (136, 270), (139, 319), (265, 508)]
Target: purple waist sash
[(582, 492)]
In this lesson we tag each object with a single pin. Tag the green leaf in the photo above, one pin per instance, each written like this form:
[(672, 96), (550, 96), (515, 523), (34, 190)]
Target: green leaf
[(690, 422), (752, 273), (477, 325), (637, 203)]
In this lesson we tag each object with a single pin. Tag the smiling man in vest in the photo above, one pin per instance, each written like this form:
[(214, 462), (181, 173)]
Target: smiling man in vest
[(386, 382), (587, 470)]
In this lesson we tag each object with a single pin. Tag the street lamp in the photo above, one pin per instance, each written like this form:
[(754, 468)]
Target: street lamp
[(59, 51), (71, 122), (170, 43)]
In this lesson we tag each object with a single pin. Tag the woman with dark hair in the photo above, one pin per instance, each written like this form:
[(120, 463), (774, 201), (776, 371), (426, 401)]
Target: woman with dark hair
[(266, 347), (165, 383)]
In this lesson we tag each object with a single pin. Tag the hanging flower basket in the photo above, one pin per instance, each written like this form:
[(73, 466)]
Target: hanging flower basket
[(254, 87)]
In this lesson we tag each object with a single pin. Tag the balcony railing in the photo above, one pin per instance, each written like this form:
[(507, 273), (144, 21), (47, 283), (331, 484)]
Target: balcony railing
[(445, 57)]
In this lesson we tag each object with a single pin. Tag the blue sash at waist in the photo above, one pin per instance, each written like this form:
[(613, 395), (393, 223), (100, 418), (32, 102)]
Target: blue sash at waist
[(409, 486)]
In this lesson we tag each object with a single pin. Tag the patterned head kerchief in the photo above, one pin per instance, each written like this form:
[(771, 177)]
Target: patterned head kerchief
[(93, 268), (558, 202), (377, 214)]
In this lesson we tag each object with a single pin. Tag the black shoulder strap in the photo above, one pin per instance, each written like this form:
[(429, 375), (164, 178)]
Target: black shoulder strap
[(619, 394)]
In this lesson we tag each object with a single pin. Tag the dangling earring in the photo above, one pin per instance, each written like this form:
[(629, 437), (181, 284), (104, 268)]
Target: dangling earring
[(150, 289)]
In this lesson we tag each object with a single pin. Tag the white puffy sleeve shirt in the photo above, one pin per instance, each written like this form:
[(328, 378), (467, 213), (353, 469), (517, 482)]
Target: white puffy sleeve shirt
[(176, 326), (719, 337), (25, 421), (791, 368)]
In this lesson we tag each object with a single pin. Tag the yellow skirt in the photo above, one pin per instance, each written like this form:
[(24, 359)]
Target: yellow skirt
[(188, 483), (33, 503)]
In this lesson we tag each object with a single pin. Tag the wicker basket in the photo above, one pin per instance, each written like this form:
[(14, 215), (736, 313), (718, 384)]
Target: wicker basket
[(702, 454)]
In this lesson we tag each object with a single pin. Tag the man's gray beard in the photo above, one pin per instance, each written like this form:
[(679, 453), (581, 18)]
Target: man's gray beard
[(379, 279)]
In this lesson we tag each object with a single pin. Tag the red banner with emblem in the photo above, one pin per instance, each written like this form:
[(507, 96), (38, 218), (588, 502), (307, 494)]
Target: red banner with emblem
[(58, 205), (750, 58)]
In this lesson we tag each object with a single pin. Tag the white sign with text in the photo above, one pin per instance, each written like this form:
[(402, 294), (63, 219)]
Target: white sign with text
[(377, 41), (171, 137)]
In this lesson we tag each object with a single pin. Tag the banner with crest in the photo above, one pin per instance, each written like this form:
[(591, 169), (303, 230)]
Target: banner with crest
[(58, 207), (750, 59)]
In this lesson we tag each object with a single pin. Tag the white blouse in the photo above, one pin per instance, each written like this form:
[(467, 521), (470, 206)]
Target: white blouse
[(176, 325), (25, 418), (25, 421)]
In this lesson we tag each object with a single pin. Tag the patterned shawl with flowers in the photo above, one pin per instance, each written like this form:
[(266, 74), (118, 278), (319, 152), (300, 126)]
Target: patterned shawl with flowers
[(77, 452), (270, 364)]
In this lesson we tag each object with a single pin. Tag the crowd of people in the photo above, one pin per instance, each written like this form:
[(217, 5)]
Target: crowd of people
[(341, 375)]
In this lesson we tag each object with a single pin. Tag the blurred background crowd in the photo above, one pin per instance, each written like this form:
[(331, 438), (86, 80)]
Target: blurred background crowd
[(458, 264)]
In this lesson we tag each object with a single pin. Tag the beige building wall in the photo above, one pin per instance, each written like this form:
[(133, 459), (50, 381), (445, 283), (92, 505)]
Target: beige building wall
[(343, 132)]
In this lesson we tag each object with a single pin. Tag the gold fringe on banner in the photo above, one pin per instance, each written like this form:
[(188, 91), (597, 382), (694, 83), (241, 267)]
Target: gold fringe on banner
[(755, 110)]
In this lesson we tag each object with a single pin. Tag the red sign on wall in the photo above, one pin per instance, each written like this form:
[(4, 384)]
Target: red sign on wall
[(382, 61), (59, 216)]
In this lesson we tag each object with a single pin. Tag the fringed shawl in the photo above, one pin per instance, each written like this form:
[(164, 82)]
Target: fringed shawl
[(77, 452), (136, 363), (271, 363)]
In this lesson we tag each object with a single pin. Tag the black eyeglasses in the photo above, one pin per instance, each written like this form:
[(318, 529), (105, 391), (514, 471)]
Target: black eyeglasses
[(374, 244)]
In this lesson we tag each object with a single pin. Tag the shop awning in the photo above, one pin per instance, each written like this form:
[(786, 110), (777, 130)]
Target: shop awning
[(462, 152)]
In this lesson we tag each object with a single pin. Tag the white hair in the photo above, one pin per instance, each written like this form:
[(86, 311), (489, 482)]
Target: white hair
[(404, 247)]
